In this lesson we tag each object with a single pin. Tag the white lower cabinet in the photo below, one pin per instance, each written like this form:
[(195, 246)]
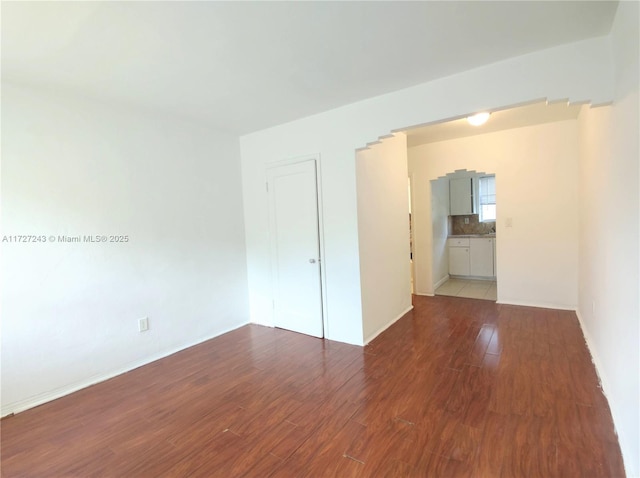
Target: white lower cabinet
[(472, 256), (459, 261), (481, 257)]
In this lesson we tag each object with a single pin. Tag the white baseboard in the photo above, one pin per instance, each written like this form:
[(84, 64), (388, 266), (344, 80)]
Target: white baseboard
[(487, 278), (385, 327), (440, 282), (594, 356), (424, 295), (48, 396), (540, 305)]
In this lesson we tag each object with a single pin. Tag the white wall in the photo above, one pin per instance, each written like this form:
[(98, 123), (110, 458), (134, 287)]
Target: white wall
[(609, 283), (439, 227), (578, 71), (70, 311), (383, 232), (536, 171)]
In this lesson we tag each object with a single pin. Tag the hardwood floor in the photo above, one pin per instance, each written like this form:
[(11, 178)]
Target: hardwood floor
[(456, 388)]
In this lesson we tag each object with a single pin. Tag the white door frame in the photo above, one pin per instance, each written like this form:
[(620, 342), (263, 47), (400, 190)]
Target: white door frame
[(323, 281)]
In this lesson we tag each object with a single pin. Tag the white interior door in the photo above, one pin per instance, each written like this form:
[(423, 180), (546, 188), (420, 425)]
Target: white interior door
[(295, 247)]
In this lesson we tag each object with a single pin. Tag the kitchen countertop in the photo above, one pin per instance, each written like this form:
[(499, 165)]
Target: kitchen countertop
[(493, 234)]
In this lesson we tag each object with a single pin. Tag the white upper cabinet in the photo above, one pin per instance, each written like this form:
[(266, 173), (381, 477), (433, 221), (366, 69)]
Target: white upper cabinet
[(461, 196)]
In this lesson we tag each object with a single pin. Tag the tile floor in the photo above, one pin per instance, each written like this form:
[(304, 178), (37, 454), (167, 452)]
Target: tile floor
[(469, 288)]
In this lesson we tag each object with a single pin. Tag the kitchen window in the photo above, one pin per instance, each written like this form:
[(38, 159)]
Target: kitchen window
[(487, 197)]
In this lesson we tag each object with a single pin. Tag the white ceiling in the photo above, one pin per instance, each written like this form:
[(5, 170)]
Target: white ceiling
[(526, 115), (245, 66)]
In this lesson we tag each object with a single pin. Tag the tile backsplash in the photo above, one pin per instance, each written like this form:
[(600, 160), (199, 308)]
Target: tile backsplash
[(457, 225)]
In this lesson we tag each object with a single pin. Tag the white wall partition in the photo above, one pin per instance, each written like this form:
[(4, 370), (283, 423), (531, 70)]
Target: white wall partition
[(383, 232)]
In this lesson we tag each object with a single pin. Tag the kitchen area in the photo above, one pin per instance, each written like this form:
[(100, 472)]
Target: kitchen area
[(470, 247)]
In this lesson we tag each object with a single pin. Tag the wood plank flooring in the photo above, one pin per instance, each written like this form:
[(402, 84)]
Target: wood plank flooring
[(456, 388)]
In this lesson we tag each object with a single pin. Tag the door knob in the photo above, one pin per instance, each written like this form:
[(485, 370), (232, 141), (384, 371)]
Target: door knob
[(312, 261)]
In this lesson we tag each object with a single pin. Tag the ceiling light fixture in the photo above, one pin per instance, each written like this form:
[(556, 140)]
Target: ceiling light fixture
[(478, 119)]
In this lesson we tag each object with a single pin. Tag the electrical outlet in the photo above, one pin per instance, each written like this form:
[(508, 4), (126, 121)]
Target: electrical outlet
[(509, 222), (466, 220), (143, 324)]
